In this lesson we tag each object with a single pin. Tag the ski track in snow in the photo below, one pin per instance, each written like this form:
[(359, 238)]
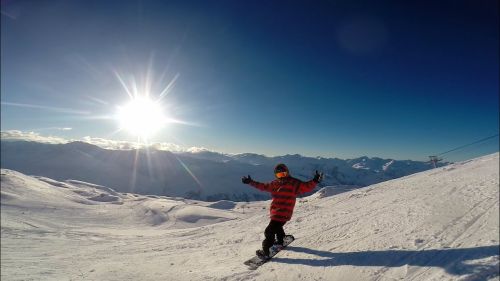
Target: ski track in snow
[(442, 224)]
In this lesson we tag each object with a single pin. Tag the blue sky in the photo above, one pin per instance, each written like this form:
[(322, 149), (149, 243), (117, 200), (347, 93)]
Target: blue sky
[(395, 79)]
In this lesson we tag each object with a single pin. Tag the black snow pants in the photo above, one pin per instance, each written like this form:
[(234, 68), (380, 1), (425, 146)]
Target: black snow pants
[(274, 232)]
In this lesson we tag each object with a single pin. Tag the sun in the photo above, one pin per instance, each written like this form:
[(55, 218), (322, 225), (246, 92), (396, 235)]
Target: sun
[(142, 117)]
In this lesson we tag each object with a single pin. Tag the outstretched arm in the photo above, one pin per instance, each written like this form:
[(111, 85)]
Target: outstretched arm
[(260, 186), (307, 186), (310, 185)]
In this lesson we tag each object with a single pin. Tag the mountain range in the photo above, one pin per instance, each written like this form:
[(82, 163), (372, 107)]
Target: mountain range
[(202, 175)]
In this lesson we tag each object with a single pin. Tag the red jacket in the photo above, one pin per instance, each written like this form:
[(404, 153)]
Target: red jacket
[(284, 192)]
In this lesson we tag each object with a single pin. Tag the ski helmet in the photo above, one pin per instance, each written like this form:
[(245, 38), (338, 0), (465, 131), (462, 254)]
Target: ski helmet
[(281, 171)]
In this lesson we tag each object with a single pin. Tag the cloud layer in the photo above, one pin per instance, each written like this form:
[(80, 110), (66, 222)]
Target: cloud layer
[(30, 136), (103, 143)]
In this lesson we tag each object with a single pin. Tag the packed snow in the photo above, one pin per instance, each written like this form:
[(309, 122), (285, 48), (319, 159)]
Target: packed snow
[(441, 224)]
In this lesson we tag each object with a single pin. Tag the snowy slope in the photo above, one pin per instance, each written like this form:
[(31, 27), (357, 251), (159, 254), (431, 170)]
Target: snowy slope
[(200, 175), (442, 224)]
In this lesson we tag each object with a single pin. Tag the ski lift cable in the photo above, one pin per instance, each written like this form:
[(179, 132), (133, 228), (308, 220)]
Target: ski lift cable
[(463, 146)]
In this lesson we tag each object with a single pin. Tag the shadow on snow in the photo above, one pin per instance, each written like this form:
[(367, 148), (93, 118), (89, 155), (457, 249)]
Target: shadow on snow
[(454, 261)]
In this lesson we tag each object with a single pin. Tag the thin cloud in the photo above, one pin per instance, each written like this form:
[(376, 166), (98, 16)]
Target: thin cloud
[(101, 142), (111, 144), (51, 108), (52, 129), (30, 136), (195, 149)]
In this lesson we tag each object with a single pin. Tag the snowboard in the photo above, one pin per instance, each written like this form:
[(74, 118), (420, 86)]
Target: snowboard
[(255, 262)]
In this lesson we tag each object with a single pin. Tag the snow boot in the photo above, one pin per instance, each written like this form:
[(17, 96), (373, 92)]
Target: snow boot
[(276, 247), (262, 255)]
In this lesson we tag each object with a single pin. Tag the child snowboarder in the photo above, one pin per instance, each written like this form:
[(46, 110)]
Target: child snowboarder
[(284, 190)]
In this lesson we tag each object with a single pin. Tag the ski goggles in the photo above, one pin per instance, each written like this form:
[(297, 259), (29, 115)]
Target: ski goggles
[(281, 175)]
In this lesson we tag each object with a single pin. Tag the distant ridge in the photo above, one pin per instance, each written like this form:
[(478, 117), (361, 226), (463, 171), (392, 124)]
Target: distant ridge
[(202, 175)]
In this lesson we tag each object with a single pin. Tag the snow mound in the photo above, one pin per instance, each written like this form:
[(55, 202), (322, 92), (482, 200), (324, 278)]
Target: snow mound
[(153, 216), (74, 198), (54, 182), (18, 188), (103, 197), (201, 216), (83, 184), (223, 205)]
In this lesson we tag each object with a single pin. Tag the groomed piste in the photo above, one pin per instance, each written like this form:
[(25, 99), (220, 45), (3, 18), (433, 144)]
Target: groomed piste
[(441, 224)]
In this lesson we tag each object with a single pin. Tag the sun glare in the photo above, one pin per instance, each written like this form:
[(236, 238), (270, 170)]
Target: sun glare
[(142, 117)]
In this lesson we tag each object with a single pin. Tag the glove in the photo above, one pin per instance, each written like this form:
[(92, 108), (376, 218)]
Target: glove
[(318, 177), (246, 180)]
